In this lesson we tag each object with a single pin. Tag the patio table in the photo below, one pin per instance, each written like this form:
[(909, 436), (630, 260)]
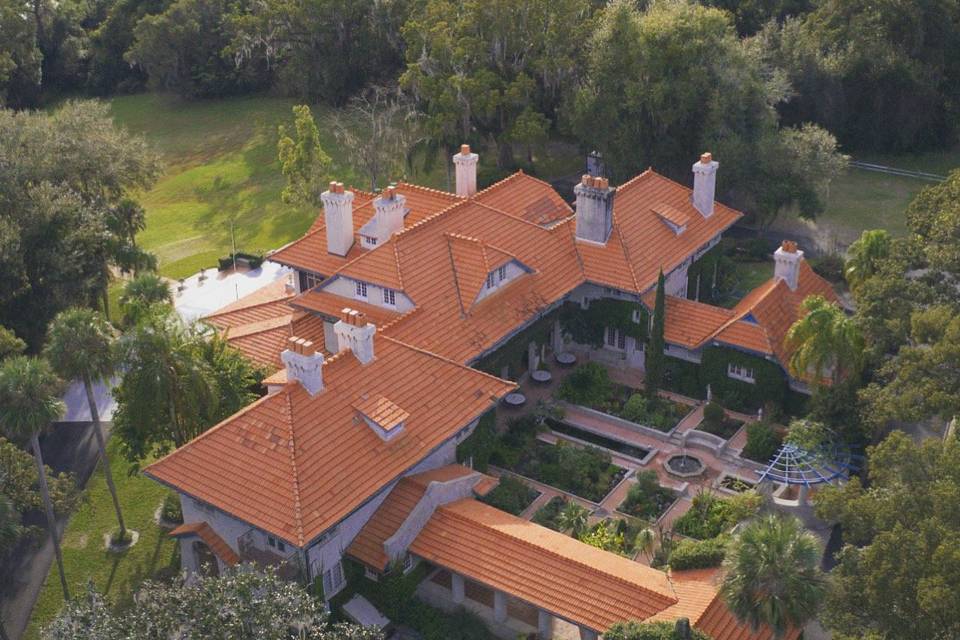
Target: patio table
[(566, 358), (542, 376), (515, 399)]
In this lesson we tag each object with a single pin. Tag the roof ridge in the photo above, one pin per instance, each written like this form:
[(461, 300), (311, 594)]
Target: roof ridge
[(393, 321), (257, 326), (772, 284), (297, 511), (572, 233), (421, 187), (215, 428), (509, 215), (586, 565), (396, 257), (456, 279), (497, 184), (220, 312), (450, 361), (626, 255), (635, 179)]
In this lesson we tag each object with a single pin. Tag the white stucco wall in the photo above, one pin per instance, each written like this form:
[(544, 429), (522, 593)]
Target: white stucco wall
[(513, 271), (347, 288)]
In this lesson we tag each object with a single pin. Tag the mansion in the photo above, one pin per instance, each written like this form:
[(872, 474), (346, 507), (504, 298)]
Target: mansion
[(377, 347)]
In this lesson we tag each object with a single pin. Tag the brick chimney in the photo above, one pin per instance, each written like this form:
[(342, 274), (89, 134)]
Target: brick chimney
[(594, 209), (356, 334), (390, 208), (705, 184), (304, 364), (787, 263), (338, 218), (466, 164)]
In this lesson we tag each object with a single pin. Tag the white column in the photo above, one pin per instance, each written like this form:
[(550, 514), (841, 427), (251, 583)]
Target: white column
[(500, 606), (545, 625), (458, 587), (587, 634)]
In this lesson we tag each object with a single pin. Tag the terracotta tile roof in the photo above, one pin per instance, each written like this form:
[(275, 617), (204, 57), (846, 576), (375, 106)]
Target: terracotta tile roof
[(203, 531), (471, 261), (382, 411), (649, 244), (330, 305), (672, 214), (367, 546), (689, 323), (526, 197), (265, 303), (295, 465), (550, 570), (720, 624), (309, 253)]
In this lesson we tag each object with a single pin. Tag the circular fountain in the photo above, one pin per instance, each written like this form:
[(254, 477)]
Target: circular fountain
[(684, 465)]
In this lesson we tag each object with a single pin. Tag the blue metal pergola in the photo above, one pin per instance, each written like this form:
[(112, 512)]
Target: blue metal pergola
[(795, 465)]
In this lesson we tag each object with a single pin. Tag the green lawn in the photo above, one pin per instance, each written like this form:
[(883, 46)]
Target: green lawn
[(864, 199), (221, 168), (85, 558)]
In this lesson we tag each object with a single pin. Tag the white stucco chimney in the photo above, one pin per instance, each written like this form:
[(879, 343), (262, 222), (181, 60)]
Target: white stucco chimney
[(787, 263), (338, 218), (356, 334), (594, 209), (466, 164), (390, 207), (304, 364), (705, 184)]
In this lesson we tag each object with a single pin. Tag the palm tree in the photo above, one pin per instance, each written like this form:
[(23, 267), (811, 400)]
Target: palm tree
[(772, 574), (573, 518), (645, 541), (29, 403), (142, 292), (80, 346), (824, 339), (865, 256)]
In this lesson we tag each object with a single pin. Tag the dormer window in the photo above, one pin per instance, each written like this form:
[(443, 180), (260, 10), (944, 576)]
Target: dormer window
[(490, 283), (495, 277), (361, 290), (369, 241), (390, 297), (501, 273), (675, 219)]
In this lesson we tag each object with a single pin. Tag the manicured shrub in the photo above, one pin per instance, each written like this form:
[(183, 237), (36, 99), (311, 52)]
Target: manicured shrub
[(589, 384), (636, 630), (647, 499), (697, 554), (511, 495), (763, 442), (713, 412), (584, 471), (171, 511)]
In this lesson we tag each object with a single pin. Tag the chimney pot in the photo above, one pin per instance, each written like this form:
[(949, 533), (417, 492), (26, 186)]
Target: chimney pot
[(466, 169), (787, 259), (355, 334), (705, 184), (706, 157), (303, 364), (338, 218), (464, 149)]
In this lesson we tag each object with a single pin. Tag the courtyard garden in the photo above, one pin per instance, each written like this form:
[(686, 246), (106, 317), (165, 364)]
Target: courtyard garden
[(511, 495), (646, 499), (558, 426), (590, 386), (716, 422), (763, 441), (711, 515), (587, 472)]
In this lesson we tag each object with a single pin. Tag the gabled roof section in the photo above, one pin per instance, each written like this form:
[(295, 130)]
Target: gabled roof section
[(675, 218), (294, 465), (379, 265), (309, 253), (548, 569), (528, 198), (267, 302), (647, 244), (472, 260), (330, 305), (206, 533)]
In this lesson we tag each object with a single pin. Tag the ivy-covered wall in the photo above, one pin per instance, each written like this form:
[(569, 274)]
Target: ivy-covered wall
[(586, 326), (513, 354), (770, 385)]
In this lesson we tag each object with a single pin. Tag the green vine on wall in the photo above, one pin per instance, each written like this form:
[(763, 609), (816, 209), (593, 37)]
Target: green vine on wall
[(586, 326), (770, 385)]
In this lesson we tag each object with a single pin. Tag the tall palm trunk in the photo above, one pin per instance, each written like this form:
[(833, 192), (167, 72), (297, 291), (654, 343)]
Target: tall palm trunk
[(95, 417), (3, 631), (48, 507)]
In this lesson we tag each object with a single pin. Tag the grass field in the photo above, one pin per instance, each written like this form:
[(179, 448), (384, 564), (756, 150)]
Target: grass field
[(869, 200), (221, 172), (85, 559)]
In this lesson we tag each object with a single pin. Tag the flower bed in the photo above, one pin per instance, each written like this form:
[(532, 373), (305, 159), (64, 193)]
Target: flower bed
[(589, 385), (712, 515), (646, 498), (549, 514), (586, 472), (716, 422), (511, 495)]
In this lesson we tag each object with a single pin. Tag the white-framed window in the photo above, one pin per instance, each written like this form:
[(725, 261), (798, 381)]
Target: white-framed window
[(333, 581), (370, 574), (309, 280), (490, 280), (636, 316), (409, 562), (361, 288), (501, 273), (739, 372), (370, 241), (615, 339), (390, 297)]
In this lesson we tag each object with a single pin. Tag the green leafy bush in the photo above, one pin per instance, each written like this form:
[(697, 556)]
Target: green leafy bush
[(711, 515), (479, 445), (548, 515), (763, 442), (636, 630), (171, 511), (520, 437), (584, 471), (435, 624), (647, 499), (511, 495), (589, 384), (698, 554), (716, 422), (713, 412)]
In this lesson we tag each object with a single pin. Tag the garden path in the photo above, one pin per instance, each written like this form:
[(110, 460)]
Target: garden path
[(691, 420)]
